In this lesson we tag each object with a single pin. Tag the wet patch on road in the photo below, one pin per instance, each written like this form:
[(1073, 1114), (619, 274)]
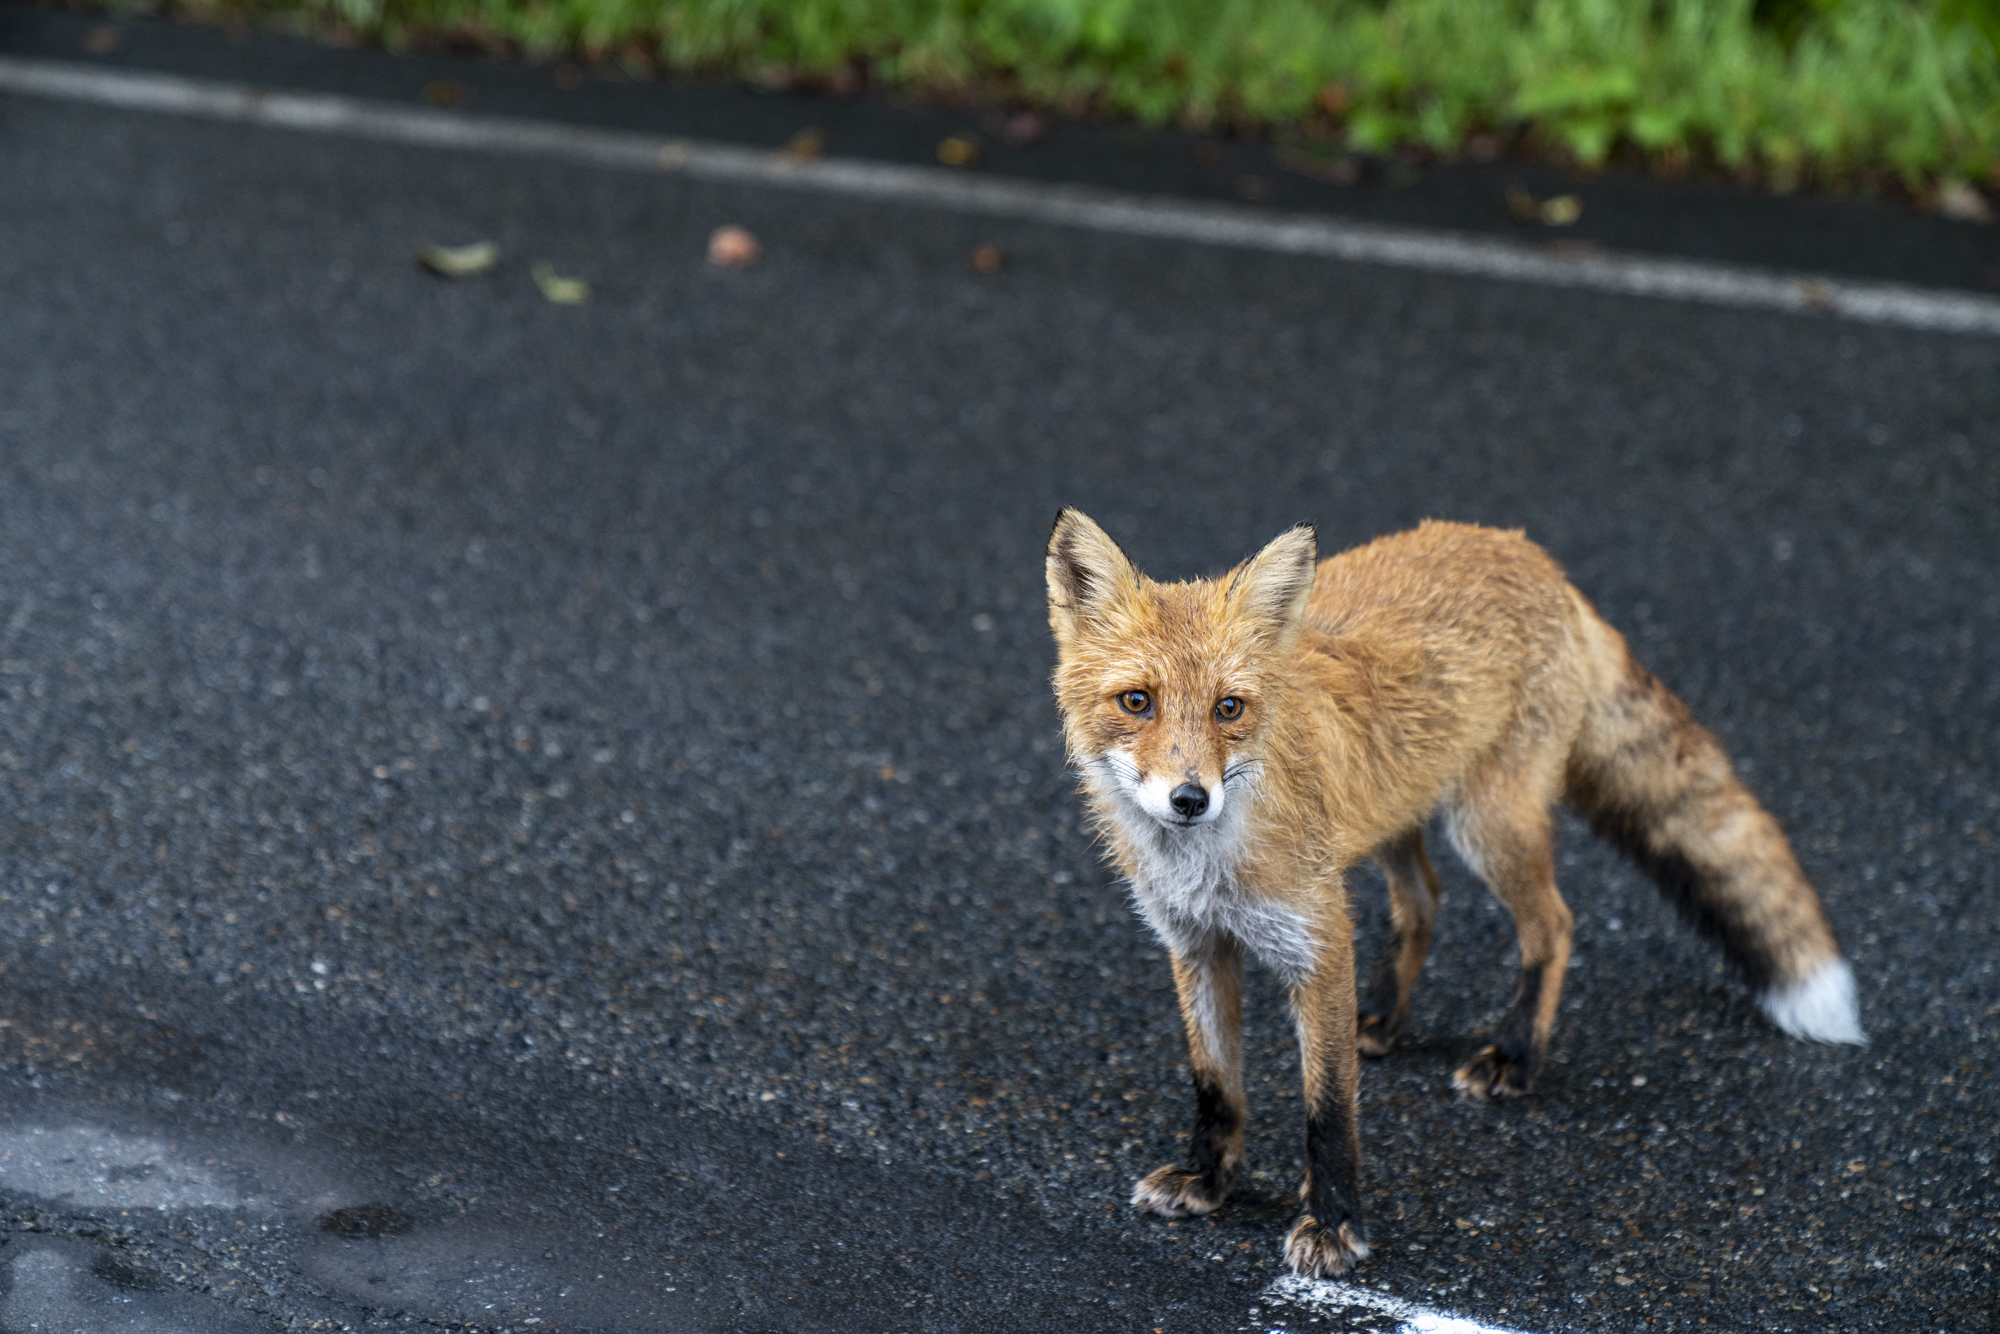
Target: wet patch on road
[(61, 1287), (476, 1265), (733, 1229), (90, 1168), (478, 1269)]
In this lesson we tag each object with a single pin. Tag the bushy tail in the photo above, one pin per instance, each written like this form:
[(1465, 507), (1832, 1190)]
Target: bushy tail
[(1658, 785)]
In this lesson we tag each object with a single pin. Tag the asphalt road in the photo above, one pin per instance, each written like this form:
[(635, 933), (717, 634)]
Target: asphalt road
[(533, 816)]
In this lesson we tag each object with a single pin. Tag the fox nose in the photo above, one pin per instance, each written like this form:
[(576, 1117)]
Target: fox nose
[(1189, 800)]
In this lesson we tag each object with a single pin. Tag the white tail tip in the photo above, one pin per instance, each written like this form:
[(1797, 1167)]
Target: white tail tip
[(1820, 1008)]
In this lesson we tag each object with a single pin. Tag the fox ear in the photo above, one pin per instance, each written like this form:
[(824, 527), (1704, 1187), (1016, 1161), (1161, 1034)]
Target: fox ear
[(1273, 585), (1087, 573)]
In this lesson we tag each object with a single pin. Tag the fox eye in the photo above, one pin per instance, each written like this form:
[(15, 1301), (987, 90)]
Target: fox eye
[(1135, 701), (1229, 708)]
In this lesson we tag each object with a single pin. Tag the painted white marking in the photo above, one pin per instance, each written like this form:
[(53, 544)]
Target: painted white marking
[(1330, 1298), (1064, 205), (103, 1169), (1821, 1008)]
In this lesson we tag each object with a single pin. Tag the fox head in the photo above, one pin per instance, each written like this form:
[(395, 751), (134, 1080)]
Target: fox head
[(1169, 692)]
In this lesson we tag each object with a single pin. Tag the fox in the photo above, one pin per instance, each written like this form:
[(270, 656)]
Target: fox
[(1242, 742)]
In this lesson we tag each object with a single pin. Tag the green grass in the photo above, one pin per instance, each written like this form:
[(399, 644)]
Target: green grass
[(1789, 91)]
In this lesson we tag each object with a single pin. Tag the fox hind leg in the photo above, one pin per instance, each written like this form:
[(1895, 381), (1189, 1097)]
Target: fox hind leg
[(1209, 980), (1505, 834), (1413, 904)]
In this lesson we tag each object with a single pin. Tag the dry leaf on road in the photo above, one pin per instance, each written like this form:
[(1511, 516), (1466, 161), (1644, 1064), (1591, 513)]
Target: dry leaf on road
[(806, 145), (1558, 211), (958, 151), (446, 93), (1342, 170), (732, 247), (1561, 211), (1022, 129), (1963, 202), (461, 261), (562, 291)]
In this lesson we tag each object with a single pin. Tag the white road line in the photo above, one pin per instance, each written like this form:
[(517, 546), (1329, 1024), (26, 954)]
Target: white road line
[(1329, 1298), (1065, 205)]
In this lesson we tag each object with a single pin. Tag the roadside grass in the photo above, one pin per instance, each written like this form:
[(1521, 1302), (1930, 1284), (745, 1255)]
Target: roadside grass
[(1834, 93)]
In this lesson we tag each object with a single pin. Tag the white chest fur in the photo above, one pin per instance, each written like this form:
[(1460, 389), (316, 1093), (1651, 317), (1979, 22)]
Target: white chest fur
[(1185, 882)]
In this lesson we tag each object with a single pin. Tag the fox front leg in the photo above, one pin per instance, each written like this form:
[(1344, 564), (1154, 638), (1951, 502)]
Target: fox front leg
[(1329, 1239), (1210, 982)]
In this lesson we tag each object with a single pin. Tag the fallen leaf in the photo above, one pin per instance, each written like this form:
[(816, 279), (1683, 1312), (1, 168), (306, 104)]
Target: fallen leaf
[(988, 259), (1962, 202), (1557, 211), (103, 39), (806, 145), (1343, 170), (958, 151), (732, 247), (1815, 295), (462, 261), (445, 93), (1022, 129), (567, 76), (562, 291), (1257, 189), (1562, 211)]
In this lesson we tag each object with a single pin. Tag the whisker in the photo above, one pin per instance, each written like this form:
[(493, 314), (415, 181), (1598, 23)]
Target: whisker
[(1240, 769), (1120, 766)]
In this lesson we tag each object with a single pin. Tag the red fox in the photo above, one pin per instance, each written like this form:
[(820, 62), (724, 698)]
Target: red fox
[(1242, 741)]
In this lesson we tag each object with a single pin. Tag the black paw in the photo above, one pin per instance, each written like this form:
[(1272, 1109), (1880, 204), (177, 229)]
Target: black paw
[(1375, 1034), (1314, 1250), (1492, 1075), (1175, 1192)]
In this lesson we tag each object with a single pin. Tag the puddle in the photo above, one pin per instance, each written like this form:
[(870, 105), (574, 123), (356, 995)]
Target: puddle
[(485, 1264), (90, 1168), (60, 1288), (482, 1270), (722, 1234)]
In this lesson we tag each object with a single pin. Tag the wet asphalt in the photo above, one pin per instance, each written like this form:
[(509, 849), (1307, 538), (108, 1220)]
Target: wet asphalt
[(532, 816)]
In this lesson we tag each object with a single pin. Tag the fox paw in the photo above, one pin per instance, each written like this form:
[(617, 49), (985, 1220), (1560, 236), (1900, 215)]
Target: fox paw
[(1314, 1250), (1175, 1192), (1375, 1034), (1491, 1075)]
